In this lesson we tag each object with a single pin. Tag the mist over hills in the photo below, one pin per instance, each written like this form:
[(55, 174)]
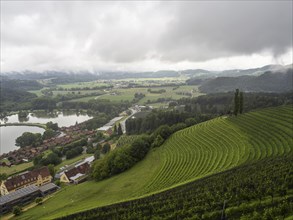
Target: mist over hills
[(269, 78), (191, 73)]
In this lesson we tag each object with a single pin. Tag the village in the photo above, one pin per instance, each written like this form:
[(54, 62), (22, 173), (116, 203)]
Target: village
[(23, 188)]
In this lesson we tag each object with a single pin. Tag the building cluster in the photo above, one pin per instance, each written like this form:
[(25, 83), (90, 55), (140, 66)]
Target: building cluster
[(22, 189)]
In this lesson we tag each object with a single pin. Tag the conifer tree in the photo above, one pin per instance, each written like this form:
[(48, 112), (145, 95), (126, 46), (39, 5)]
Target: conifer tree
[(115, 129), (119, 131), (236, 102), (241, 102)]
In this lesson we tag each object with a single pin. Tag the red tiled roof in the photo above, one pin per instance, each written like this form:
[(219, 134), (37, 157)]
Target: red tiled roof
[(29, 177), (83, 169)]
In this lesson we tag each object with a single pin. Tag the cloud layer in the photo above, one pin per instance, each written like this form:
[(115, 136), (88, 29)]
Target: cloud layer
[(143, 35)]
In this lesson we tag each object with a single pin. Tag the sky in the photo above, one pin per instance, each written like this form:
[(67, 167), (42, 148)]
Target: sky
[(144, 36)]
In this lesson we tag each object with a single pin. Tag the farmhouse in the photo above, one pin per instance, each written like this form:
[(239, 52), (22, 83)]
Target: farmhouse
[(77, 174), (36, 177)]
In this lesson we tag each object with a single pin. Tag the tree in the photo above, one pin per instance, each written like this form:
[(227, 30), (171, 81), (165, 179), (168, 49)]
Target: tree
[(115, 129), (106, 148), (236, 102), (48, 133), (97, 154), (52, 170), (158, 141), (241, 102), (16, 210), (28, 138), (51, 158), (119, 130), (3, 176), (190, 121), (39, 200), (51, 125)]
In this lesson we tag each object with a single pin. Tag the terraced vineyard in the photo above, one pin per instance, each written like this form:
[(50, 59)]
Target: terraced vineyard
[(223, 143), (190, 154)]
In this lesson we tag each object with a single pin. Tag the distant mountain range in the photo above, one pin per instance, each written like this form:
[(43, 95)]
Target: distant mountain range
[(191, 73)]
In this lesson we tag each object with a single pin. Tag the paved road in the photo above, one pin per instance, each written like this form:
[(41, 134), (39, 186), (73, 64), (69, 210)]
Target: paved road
[(133, 111)]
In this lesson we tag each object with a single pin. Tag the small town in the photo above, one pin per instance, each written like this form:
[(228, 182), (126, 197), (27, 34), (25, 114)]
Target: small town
[(35, 185)]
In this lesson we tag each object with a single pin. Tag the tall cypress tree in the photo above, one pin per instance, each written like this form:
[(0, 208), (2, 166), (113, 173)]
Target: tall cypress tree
[(236, 102), (119, 130), (115, 129), (241, 102)]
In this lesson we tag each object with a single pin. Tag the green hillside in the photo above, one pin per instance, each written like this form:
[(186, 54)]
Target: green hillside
[(258, 191), (189, 154)]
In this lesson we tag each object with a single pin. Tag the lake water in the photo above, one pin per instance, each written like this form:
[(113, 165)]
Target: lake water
[(63, 119), (9, 134)]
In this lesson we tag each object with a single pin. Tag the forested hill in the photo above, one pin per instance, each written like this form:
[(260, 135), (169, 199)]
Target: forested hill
[(267, 82)]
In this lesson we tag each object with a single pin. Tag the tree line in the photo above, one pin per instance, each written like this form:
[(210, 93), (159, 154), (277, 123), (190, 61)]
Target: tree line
[(157, 118)]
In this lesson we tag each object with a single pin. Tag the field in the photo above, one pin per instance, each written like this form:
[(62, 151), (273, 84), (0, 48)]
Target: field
[(16, 168), (81, 85), (195, 152), (118, 95), (81, 94)]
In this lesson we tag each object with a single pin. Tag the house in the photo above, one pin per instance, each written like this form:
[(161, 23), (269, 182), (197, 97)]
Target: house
[(36, 177), (76, 174)]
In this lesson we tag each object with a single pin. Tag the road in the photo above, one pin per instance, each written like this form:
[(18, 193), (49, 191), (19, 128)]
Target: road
[(133, 111)]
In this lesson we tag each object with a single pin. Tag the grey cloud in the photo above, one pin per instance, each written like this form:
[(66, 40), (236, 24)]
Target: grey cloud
[(92, 34), (206, 30)]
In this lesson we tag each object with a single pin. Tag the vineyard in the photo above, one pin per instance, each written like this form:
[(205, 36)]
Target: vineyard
[(261, 190), (189, 156), (224, 143)]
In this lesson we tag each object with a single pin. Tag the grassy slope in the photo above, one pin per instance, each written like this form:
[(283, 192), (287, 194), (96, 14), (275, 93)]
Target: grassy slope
[(189, 154)]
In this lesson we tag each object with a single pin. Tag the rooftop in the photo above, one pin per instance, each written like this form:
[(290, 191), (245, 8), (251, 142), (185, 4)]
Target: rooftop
[(18, 194), (47, 187)]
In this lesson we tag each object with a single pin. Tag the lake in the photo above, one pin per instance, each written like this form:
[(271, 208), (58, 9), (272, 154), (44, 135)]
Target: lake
[(10, 133), (62, 118)]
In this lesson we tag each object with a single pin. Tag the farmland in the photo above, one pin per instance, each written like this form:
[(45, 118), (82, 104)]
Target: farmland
[(195, 152), (172, 93), (123, 90)]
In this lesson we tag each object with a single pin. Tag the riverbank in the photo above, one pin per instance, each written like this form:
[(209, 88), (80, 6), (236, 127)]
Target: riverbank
[(24, 124)]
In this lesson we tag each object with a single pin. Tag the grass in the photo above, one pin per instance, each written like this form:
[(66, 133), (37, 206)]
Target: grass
[(16, 168), (189, 154)]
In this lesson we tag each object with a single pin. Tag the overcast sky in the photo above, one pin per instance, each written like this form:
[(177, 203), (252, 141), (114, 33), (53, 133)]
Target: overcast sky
[(140, 36)]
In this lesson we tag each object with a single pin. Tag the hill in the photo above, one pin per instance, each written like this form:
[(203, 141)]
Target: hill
[(195, 152), (266, 82)]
